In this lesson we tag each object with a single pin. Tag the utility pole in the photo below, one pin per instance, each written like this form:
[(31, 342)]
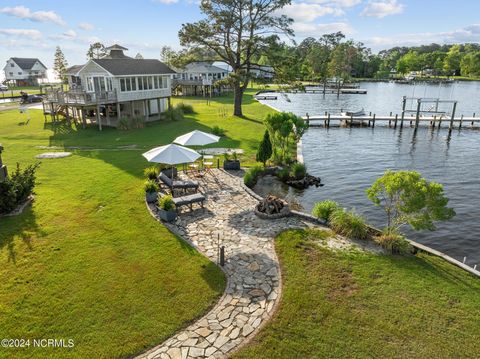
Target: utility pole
[(3, 168)]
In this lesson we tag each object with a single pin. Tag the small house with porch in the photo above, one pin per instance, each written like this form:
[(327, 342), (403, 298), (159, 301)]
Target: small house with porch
[(200, 78), (112, 89)]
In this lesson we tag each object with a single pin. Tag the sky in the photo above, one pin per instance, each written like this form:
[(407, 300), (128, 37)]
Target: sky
[(34, 28)]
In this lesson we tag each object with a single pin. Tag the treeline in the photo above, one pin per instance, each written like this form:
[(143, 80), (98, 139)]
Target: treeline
[(332, 55)]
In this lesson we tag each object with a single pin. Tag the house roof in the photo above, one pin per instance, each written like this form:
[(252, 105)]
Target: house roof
[(26, 63), (73, 70), (129, 66), (202, 66)]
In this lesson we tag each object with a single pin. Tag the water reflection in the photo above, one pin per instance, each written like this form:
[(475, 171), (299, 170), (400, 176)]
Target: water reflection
[(349, 160)]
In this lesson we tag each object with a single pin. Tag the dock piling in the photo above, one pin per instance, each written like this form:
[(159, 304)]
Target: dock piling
[(396, 119)]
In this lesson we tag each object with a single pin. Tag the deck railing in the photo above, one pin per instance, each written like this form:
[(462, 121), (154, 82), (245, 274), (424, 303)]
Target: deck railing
[(79, 97)]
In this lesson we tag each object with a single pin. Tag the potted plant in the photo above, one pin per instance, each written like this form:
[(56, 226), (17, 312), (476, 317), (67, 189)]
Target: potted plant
[(166, 208), (151, 190), (231, 163)]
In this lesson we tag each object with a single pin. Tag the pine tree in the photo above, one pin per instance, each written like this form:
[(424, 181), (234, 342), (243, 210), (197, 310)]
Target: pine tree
[(60, 64), (265, 149), (96, 51)]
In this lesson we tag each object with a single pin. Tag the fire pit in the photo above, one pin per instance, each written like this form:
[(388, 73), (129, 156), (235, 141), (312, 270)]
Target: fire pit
[(272, 207)]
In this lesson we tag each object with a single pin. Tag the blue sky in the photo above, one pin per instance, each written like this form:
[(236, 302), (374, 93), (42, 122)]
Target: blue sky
[(33, 28)]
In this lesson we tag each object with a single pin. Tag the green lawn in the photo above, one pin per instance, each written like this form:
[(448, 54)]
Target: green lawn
[(15, 91), (87, 262), (350, 304)]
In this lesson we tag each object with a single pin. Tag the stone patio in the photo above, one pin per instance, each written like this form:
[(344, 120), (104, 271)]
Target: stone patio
[(251, 266)]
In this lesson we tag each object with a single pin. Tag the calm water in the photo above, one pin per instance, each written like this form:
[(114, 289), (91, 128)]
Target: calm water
[(349, 160), (383, 98)]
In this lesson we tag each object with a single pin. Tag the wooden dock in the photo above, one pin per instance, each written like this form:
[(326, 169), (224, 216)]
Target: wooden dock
[(334, 120)]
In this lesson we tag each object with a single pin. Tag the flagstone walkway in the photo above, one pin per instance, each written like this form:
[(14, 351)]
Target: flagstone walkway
[(251, 267)]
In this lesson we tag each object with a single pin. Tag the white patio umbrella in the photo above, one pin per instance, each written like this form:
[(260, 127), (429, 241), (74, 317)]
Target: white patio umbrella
[(196, 138), (171, 155)]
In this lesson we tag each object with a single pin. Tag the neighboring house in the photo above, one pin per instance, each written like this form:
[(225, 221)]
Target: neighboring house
[(25, 71), (262, 72), (199, 78), (112, 88)]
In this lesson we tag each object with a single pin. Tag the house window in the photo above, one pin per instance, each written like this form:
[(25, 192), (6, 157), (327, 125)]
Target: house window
[(140, 83), (122, 85), (108, 82), (155, 82), (11, 73), (12, 64), (19, 73), (90, 87), (134, 83), (164, 82)]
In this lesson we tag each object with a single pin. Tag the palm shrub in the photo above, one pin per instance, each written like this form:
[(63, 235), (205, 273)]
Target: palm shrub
[(348, 224), (173, 114), (166, 203), (185, 108), (394, 243), (324, 209), (251, 176), (298, 171), (151, 186), (151, 172), (123, 124)]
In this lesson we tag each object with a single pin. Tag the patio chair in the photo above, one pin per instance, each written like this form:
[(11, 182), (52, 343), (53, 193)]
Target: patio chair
[(176, 184)]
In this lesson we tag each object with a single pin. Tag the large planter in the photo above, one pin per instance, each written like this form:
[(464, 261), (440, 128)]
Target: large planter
[(167, 216), (231, 165), (151, 196)]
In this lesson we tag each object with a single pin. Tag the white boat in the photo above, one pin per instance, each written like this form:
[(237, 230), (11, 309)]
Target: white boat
[(354, 113)]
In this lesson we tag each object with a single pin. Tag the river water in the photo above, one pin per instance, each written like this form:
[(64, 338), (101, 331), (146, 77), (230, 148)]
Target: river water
[(350, 159)]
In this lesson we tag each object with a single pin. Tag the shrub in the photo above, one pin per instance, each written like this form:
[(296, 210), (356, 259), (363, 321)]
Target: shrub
[(166, 203), (151, 172), (298, 171), (218, 131), (284, 173), (394, 243), (16, 188), (151, 186), (265, 149), (8, 197), (348, 224), (251, 176), (137, 122), (324, 209), (173, 114), (185, 108), (123, 124)]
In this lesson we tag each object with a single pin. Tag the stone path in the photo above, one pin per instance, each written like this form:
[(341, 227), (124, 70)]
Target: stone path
[(251, 266)]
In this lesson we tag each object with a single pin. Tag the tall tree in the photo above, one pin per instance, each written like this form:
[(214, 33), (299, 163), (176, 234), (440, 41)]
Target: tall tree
[(237, 31), (60, 64), (96, 51)]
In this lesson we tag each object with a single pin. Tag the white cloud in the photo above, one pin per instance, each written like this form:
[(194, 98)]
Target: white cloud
[(23, 12), (86, 26), (338, 3), (470, 33), (304, 12), (317, 30), (167, 1), (28, 33), (380, 9)]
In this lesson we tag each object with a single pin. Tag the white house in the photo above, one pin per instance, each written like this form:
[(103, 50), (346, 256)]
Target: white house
[(116, 86), (25, 71), (200, 78)]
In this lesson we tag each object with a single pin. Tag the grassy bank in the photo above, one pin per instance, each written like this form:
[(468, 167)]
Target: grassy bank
[(87, 262), (15, 91), (346, 304)]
